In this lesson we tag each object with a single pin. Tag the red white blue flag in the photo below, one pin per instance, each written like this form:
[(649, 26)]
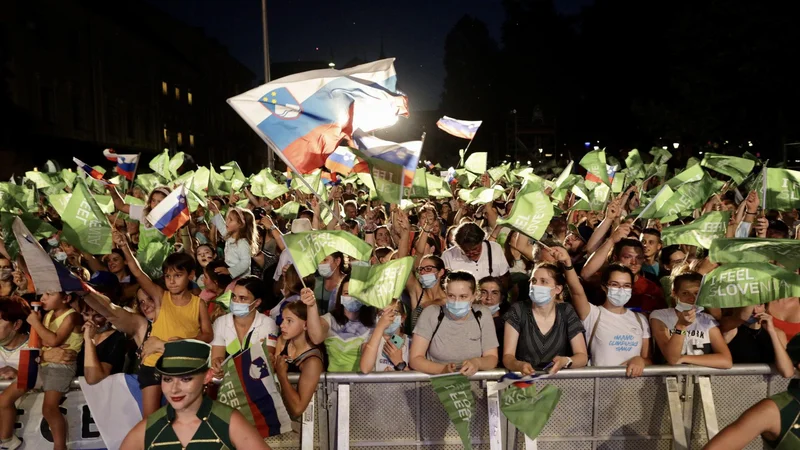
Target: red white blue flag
[(341, 161), (91, 172), (304, 116), (126, 164), (172, 213), (465, 129)]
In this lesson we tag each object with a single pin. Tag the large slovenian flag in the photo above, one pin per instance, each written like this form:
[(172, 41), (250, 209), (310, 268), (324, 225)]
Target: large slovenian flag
[(249, 386), (47, 276), (116, 406), (126, 164), (404, 154), (341, 161), (172, 213), (91, 171), (459, 128), (304, 116)]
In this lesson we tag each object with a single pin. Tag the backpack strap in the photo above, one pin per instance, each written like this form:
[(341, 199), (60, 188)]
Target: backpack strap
[(594, 330), (438, 324), (639, 320), (489, 249)]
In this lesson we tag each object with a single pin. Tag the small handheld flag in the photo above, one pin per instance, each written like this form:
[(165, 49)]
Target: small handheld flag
[(465, 129), (172, 213), (126, 164), (91, 172), (28, 369)]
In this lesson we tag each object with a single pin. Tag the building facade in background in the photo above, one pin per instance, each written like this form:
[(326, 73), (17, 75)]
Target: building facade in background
[(82, 76)]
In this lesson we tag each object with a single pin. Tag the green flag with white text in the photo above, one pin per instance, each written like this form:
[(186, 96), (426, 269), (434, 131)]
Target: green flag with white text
[(595, 164), (85, 224), (701, 232), (749, 250), (309, 248), (783, 189), (529, 410), (746, 284), (530, 214), (732, 166), (690, 196), (498, 172), (693, 173), (455, 393), (635, 165), (377, 285)]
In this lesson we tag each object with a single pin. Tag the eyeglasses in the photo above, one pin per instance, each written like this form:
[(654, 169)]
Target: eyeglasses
[(427, 269), (616, 285)]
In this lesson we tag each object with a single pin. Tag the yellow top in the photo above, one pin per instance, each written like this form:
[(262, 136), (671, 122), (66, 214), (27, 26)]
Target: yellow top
[(75, 340), (175, 321)]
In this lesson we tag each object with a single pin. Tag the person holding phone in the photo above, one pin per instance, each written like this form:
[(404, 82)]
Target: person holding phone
[(387, 348), (758, 341)]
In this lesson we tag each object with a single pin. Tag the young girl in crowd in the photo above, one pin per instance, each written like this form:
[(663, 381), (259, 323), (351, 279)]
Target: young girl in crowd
[(331, 274), (178, 315), (297, 355), (239, 230), (61, 326), (493, 297), (14, 312), (204, 254), (343, 330), (458, 337), (387, 348), (217, 294), (292, 286), (136, 212), (425, 289)]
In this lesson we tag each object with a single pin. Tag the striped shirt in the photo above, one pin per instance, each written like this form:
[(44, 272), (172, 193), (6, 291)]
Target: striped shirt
[(539, 349)]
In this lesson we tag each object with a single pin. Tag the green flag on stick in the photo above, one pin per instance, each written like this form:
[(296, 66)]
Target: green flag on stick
[(379, 284), (660, 155), (746, 284), (455, 393), (653, 209), (750, 250), (437, 187), (635, 165), (528, 410), (561, 181), (160, 165), (154, 248), (732, 166), (783, 189), (85, 224), (233, 175), (481, 195), (264, 185), (689, 196), (309, 248), (38, 228), (595, 163), (700, 233), (419, 188), (496, 173), (693, 173), (148, 181), (530, 215), (289, 210), (476, 163)]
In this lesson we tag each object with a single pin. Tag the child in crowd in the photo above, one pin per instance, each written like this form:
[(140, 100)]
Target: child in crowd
[(241, 242)]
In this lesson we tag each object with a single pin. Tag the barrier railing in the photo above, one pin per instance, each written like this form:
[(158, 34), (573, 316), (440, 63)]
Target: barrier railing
[(600, 409)]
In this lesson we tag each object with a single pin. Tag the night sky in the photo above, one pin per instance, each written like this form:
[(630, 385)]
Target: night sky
[(413, 31)]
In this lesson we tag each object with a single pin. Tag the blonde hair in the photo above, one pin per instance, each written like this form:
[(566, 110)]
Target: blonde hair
[(248, 230)]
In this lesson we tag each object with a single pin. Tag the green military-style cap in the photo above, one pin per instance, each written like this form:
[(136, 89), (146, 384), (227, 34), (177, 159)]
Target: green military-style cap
[(184, 357)]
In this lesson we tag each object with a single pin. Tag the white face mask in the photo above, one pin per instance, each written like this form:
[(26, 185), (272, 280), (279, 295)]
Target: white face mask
[(325, 270), (683, 307), (619, 296), (541, 295)]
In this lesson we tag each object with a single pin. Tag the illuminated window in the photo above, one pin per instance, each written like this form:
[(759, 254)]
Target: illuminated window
[(191, 140), (166, 135), (177, 93), (164, 87), (180, 138), (189, 95)]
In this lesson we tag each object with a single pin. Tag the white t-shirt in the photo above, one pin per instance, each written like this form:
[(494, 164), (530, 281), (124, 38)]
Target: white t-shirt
[(619, 337), (10, 357), (697, 342), (263, 328), (455, 259), (136, 212), (382, 363)]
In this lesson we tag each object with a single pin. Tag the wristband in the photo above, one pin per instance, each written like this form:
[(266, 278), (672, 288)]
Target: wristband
[(677, 331), (569, 268), (751, 213), (401, 367)]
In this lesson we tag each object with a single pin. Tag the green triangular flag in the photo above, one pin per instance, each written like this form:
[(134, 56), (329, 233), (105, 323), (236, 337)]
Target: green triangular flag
[(455, 393), (635, 165), (528, 410), (85, 224), (419, 187), (377, 285), (595, 164)]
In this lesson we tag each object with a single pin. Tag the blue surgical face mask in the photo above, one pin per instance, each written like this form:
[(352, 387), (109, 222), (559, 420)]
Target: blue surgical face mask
[(393, 326), (201, 238), (325, 270), (540, 295), (458, 309), (619, 296), (494, 308), (240, 309), (61, 256), (52, 242), (428, 280), (351, 304)]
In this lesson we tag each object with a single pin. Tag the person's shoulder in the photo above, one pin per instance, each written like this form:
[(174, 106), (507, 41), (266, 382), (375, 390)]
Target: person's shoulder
[(661, 314), (450, 253), (483, 310), (221, 410), (495, 246), (429, 313), (707, 319), (566, 308)]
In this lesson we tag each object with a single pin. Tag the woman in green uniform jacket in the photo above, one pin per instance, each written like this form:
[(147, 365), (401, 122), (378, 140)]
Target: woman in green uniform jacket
[(191, 421), (775, 419)]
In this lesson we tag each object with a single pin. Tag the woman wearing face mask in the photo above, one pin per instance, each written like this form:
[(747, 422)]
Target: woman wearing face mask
[(615, 335), (424, 286), (343, 330), (292, 285), (459, 337), (7, 286), (13, 337), (244, 325), (330, 271), (493, 297), (103, 351), (542, 332), (387, 348)]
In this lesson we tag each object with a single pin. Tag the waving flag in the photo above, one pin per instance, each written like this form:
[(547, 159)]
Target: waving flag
[(459, 128), (456, 396), (126, 164), (379, 284), (116, 406), (309, 248), (405, 154), (172, 213), (596, 168), (304, 116), (47, 275), (341, 161), (91, 171), (746, 284), (248, 385)]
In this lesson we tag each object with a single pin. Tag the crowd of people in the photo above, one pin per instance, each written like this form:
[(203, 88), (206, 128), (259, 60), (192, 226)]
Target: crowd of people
[(598, 289)]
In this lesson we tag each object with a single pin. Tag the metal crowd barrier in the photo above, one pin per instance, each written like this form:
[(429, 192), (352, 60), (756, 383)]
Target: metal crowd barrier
[(677, 407)]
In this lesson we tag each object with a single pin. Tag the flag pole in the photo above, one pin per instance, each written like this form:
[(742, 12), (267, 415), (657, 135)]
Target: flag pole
[(763, 205)]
